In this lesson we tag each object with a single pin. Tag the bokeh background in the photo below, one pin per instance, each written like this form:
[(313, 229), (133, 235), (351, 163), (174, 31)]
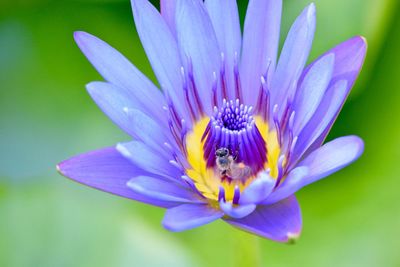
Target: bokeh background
[(350, 219)]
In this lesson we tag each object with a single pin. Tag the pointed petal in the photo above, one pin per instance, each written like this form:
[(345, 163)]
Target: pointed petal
[(168, 8), (114, 102), (321, 120), (111, 100), (290, 185), (148, 131), (293, 57), (116, 69), (321, 163), (311, 91), (349, 58), (188, 216), (332, 157), (280, 222), (107, 170), (260, 44), (145, 158), (198, 43), (237, 212), (161, 190), (225, 19), (258, 190), (161, 49)]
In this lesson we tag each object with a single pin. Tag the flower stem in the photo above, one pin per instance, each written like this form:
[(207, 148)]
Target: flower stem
[(247, 250)]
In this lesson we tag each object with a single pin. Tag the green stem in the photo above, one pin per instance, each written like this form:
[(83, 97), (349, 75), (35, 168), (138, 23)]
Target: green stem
[(247, 250)]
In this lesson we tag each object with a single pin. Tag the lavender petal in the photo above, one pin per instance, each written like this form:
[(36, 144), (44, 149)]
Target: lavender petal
[(162, 51), (112, 100), (162, 190), (258, 190), (199, 47), (349, 58), (116, 69), (149, 160), (168, 8), (324, 161), (225, 19), (260, 45), (107, 170), (311, 91), (237, 212), (293, 57), (148, 131), (188, 216), (280, 222), (321, 121)]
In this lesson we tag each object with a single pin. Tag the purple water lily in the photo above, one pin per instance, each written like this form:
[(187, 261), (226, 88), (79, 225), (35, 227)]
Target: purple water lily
[(235, 131)]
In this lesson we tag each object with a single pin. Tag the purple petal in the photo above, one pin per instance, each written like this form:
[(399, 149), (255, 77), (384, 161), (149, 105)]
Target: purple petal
[(116, 69), (333, 156), (107, 170), (188, 216), (237, 212), (324, 161), (289, 186), (161, 190), (162, 51), (280, 222), (321, 120), (225, 19), (148, 131), (168, 8), (115, 101), (312, 91), (260, 44), (349, 58), (149, 160), (198, 44), (258, 190), (111, 100), (293, 57)]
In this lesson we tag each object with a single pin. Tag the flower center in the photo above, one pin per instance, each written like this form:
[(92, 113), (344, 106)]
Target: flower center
[(233, 116), (233, 144), (225, 152)]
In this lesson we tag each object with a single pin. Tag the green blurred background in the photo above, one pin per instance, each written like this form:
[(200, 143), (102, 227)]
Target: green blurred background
[(350, 219)]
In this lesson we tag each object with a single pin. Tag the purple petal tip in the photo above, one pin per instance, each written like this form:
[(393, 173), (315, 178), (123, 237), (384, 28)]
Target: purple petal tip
[(311, 10), (58, 168), (360, 144), (361, 41), (63, 169), (364, 41), (293, 237), (81, 37), (91, 88), (78, 35)]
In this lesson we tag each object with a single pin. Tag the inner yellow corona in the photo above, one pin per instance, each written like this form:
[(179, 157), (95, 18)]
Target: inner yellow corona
[(207, 180)]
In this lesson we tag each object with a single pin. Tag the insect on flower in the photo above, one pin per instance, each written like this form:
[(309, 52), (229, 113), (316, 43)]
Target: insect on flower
[(235, 130), (228, 167)]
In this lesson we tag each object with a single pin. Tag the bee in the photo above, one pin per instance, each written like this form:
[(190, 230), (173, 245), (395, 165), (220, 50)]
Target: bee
[(228, 167)]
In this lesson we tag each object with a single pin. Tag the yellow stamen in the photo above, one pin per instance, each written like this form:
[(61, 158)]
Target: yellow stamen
[(207, 180)]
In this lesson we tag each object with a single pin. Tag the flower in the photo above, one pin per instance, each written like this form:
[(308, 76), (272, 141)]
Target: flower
[(234, 132)]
